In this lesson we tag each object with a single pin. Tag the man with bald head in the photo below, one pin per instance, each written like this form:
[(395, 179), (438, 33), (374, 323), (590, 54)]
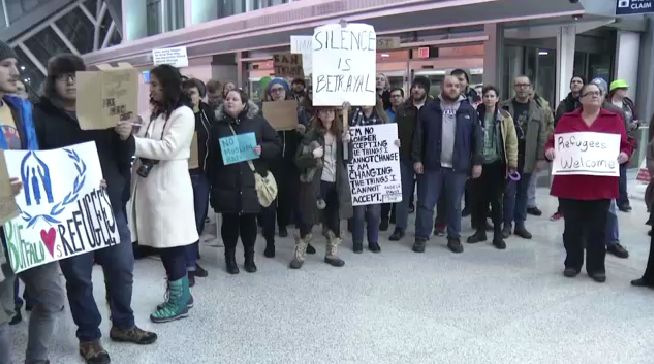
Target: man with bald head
[(529, 120), (446, 150)]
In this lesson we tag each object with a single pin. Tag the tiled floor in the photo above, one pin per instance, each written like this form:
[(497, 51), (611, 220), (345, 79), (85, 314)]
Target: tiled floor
[(484, 306)]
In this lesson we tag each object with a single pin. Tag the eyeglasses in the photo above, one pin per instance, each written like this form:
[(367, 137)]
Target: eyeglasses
[(522, 85), (276, 90), (66, 77), (592, 93)]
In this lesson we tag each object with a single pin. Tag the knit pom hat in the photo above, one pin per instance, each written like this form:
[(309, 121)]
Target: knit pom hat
[(6, 51)]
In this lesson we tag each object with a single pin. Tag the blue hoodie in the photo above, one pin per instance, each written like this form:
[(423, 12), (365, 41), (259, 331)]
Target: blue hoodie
[(22, 112)]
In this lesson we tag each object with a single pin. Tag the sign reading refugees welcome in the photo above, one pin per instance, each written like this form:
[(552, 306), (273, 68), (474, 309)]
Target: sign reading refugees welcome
[(63, 210), (344, 65), (586, 153)]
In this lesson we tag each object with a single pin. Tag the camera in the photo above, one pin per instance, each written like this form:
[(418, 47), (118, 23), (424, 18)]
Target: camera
[(146, 167)]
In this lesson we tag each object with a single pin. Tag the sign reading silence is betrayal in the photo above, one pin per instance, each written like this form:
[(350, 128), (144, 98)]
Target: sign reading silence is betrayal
[(238, 148), (63, 210), (586, 153), (374, 172), (344, 65)]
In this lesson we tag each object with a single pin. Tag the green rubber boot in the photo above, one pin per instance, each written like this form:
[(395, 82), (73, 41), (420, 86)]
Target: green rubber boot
[(176, 307)]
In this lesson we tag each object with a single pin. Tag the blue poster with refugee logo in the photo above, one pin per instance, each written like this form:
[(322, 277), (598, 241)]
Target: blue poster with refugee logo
[(238, 148), (63, 210)]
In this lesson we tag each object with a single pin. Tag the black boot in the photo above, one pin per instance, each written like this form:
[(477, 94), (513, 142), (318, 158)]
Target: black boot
[(269, 252), (230, 261), (249, 259)]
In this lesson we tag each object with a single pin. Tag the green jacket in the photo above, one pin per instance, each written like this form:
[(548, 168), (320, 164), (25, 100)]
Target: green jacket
[(536, 133), (549, 114)]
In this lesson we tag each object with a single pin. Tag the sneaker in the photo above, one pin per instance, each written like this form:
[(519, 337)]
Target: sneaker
[(598, 277), (534, 211), (506, 232), (283, 233), (310, 249), (455, 246), (200, 272), (93, 352), (357, 248), (499, 243), (570, 272), (419, 246), (618, 250), (478, 236), (642, 282), (522, 232), (397, 235), (383, 225), (133, 335), (556, 216), (374, 247)]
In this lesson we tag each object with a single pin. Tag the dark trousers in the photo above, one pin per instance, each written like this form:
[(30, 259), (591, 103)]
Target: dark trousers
[(201, 206), (329, 216), (623, 199), (515, 201), (235, 225), (431, 186), (387, 211), (649, 272), (485, 190), (585, 224), (117, 264), (267, 218), (174, 261)]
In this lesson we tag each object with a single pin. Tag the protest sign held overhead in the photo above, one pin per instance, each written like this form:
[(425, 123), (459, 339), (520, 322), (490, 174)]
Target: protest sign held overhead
[(282, 115), (586, 153), (288, 65), (344, 65), (374, 171), (106, 97), (63, 210), (238, 148)]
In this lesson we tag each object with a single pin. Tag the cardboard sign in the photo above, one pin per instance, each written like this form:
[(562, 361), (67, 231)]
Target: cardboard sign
[(8, 206), (288, 65), (194, 160), (63, 210), (107, 96), (282, 115), (175, 56), (238, 148), (586, 153), (344, 65), (374, 171)]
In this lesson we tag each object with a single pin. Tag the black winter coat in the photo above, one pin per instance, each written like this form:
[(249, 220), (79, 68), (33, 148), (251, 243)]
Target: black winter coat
[(232, 186), (204, 120), (55, 128)]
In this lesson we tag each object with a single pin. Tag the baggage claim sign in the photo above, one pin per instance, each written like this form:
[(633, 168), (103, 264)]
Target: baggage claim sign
[(634, 6)]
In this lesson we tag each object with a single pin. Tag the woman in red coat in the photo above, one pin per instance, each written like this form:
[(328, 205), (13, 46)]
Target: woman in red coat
[(585, 198)]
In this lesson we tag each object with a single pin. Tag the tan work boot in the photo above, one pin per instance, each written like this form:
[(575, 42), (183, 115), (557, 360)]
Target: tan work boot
[(331, 250), (93, 352), (300, 251)]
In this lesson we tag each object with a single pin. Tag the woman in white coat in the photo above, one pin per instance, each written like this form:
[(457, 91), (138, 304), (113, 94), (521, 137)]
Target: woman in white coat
[(163, 212)]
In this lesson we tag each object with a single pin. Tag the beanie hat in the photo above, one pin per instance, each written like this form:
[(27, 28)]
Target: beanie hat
[(601, 83), (422, 82), (65, 63), (6, 51), (618, 84), (278, 81), (299, 81)]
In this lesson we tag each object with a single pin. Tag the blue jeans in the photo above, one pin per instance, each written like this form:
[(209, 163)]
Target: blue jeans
[(362, 215), (430, 186), (402, 208), (515, 201), (612, 228), (623, 199), (200, 185), (117, 265)]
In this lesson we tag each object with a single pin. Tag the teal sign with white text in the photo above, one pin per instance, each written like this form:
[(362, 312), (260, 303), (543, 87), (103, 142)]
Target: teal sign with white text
[(634, 6)]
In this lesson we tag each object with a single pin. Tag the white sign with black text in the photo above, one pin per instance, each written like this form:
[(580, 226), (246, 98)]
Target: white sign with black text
[(374, 171), (175, 56), (586, 153)]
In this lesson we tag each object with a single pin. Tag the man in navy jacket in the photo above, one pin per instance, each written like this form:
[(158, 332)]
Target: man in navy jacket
[(446, 150)]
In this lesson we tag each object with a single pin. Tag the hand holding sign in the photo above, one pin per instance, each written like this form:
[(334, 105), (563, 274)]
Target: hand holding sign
[(550, 154), (623, 158)]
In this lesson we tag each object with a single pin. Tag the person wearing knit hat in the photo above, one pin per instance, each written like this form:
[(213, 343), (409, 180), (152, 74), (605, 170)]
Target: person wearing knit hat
[(406, 119), (57, 126), (43, 282)]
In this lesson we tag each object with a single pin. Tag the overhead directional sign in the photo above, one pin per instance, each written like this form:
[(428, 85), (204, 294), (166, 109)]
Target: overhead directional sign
[(634, 6)]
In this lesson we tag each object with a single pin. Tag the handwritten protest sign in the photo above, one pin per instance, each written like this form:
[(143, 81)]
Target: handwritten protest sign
[(282, 115), (374, 172), (63, 210), (8, 206), (106, 97), (174, 56), (193, 161), (238, 148), (344, 65), (288, 65), (586, 153)]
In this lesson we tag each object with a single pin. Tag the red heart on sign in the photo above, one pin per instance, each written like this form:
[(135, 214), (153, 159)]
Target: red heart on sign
[(49, 239)]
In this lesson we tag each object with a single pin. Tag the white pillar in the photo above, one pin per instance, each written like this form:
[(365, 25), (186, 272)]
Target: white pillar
[(565, 50), (626, 59)]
